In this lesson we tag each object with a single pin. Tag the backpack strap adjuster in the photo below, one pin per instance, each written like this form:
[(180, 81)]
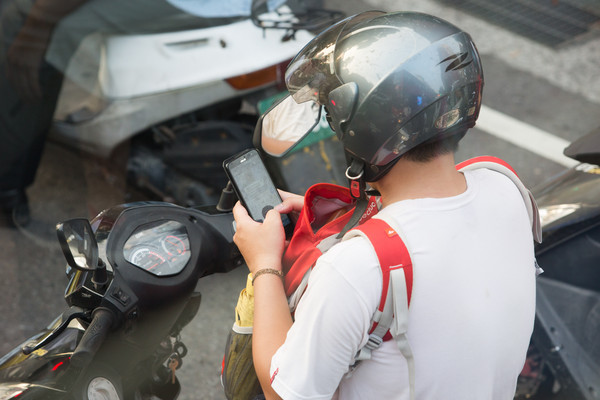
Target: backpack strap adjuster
[(374, 342)]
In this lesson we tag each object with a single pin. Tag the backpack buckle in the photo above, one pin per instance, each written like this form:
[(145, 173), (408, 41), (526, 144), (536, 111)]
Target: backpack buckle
[(374, 342)]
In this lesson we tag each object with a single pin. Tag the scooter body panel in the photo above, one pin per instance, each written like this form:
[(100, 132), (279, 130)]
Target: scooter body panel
[(141, 65), (142, 80), (123, 118)]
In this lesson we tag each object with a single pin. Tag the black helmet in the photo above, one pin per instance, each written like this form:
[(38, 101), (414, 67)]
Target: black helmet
[(389, 82)]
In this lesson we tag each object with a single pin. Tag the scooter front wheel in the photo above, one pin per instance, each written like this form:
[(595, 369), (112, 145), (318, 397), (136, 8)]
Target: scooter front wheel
[(100, 383), (101, 388)]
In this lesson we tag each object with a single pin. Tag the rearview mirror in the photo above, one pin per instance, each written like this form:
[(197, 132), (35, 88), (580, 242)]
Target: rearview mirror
[(78, 244), (286, 124), (299, 145)]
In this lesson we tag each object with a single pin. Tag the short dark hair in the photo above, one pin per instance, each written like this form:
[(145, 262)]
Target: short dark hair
[(432, 148)]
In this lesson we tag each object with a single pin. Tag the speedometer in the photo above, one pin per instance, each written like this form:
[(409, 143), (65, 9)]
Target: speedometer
[(174, 246), (147, 258), (161, 248)]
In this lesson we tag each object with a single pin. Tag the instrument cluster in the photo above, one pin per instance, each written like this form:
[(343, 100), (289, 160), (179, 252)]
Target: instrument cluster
[(161, 248)]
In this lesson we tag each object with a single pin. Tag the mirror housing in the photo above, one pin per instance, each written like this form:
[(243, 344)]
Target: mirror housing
[(586, 149), (78, 244)]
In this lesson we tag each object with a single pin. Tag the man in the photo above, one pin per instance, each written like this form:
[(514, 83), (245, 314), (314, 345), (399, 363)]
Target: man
[(400, 90)]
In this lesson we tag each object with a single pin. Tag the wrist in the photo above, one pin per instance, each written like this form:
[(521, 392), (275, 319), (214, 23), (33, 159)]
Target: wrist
[(267, 271)]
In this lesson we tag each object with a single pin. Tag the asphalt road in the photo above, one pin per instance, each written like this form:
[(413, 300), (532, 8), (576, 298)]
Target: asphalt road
[(554, 90)]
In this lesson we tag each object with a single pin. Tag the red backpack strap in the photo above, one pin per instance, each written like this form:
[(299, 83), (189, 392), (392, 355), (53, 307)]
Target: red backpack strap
[(394, 260), (391, 253), (391, 317)]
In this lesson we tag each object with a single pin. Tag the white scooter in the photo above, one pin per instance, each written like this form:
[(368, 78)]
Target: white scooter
[(182, 100)]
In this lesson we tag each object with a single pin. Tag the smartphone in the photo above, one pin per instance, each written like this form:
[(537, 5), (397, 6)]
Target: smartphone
[(254, 186)]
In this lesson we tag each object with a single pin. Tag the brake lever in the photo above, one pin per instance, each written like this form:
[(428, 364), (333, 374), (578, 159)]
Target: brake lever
[(28, 349)]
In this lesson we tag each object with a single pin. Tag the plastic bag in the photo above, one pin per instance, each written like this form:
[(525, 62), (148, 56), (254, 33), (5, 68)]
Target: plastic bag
[(238, 376)]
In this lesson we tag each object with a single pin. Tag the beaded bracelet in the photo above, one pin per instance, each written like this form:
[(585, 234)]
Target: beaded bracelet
[(267, 271)]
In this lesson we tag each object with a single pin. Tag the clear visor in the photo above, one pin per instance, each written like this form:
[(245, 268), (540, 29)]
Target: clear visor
[(311, 75)]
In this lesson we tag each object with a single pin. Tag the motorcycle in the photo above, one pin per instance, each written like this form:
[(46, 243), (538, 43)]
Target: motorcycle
[(132, 273), (132, 276), (564, 357), (181, 101)]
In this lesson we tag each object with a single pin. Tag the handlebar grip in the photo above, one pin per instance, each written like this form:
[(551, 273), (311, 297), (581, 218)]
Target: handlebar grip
[(93, 337)]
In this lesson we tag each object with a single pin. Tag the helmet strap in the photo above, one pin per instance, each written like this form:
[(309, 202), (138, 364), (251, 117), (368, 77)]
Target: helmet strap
[(359, 210), (355, 173)]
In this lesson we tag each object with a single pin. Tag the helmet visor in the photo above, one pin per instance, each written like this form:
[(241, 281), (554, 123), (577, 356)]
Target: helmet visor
[(311, 75)]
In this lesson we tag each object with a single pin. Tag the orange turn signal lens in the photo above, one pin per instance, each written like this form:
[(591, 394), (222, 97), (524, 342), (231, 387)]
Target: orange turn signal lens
[(272, 74)]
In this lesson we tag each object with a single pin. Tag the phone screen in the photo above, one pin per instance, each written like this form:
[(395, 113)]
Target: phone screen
[(253, 185)]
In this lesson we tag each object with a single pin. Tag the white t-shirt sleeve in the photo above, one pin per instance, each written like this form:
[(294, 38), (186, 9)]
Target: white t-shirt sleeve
[(331, 323)]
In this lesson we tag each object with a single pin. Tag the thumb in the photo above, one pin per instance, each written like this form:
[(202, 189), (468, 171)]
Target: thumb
[(273, 219), (272, 215)]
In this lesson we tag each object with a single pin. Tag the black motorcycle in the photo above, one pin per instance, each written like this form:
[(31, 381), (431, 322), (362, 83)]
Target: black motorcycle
[(132, 276), (564, 357)]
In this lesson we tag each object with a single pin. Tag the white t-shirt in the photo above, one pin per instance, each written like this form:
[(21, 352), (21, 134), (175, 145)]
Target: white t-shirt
[(471, 313)]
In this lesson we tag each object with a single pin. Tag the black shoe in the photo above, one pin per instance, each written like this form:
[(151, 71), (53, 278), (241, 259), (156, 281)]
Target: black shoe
[(15, 207)]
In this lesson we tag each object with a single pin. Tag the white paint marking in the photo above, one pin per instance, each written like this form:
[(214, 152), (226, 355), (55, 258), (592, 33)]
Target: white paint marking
[(524, 135)]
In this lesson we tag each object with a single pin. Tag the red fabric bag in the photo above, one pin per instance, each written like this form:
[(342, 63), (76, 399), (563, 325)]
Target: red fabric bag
[(327, 209)]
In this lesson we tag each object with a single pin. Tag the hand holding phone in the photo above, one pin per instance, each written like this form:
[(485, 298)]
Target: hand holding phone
[(253, 185)]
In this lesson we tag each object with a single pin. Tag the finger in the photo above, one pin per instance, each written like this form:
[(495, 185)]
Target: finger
[(291, 204), (242, 218), (286, 195), (274, 223), (283, 208), (239, 211)]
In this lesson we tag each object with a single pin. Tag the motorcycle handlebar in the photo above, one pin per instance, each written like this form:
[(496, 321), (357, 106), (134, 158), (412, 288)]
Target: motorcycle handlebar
[(93, 337)]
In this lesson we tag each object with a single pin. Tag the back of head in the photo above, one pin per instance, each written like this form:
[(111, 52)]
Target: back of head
[(390, 82)]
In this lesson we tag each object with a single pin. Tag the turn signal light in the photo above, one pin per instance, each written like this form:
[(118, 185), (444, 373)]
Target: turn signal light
[(272, 74)]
